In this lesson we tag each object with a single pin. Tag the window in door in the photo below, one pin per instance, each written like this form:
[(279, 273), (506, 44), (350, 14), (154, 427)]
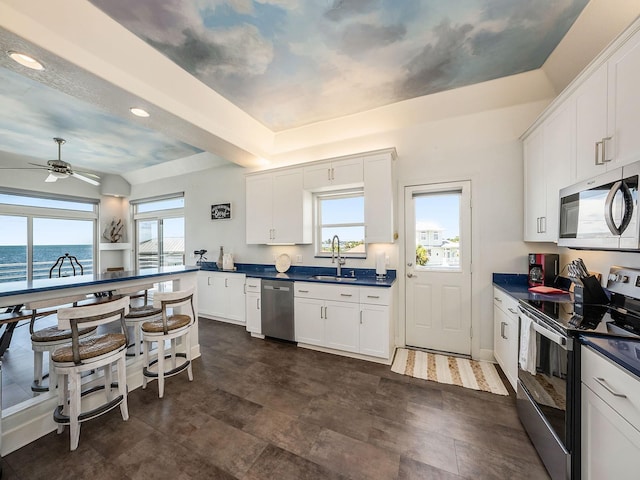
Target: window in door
[(159, 231), (341, 214), (438, 230)]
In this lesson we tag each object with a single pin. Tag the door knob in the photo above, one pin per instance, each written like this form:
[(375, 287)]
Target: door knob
[(409, 264), (410, 275)]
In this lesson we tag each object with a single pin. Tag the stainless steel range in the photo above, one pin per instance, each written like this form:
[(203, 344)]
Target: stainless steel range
[(549, 367)]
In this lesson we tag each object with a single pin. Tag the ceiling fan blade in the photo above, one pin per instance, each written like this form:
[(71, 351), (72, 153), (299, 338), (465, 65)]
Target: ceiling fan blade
[(51, 178), (21, 168), (86, 174), (38, 165), (86, 179)]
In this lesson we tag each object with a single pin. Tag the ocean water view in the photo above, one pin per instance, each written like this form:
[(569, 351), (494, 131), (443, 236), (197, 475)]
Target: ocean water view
[(13, 260)]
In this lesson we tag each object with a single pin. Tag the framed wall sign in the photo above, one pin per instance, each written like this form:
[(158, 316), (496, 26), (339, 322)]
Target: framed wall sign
[(220, 211)]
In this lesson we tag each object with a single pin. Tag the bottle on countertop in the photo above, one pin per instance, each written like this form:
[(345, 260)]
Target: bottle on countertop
[(219, 262)]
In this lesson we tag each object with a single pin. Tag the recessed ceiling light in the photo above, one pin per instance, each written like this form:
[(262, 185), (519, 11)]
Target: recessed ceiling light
[(26, 60), (139, 112)]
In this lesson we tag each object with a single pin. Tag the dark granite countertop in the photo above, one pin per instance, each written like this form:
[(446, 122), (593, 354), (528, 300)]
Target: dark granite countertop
[(517, 285), (364, 276), (48, 284)]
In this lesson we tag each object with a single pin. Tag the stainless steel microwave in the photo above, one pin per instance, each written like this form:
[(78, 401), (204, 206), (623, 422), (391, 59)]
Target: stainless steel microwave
[(602, 213)]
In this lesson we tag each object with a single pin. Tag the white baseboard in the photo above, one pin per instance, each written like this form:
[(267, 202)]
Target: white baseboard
[(384, 361)]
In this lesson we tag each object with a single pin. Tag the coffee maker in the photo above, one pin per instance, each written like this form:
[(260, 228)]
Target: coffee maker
[(543, 268)]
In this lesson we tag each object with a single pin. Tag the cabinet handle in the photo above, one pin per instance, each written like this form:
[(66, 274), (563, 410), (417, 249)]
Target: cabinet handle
[(502, 325), (497, 299), (360, 317), (604, 150), (513, 311), (373, 296), (346, 295), (538, 225), (257, 303), (597, 162), (328, 174), (225, 282), (208, 280), (603, 382), (303, 291), (332, 174), (543, 224)]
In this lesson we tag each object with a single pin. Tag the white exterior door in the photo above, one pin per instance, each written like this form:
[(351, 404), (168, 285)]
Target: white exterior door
[(438, 267)]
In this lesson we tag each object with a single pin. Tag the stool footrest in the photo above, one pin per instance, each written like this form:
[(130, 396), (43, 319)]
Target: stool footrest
[(58, 417), (147, 373)]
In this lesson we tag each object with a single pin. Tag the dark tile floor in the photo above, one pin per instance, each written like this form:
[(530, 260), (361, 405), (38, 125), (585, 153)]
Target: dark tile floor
[(268, 410)]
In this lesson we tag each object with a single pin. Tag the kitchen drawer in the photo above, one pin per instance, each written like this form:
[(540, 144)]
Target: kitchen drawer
[(252, 285), (617, 387), (375, 295), (323, 291), (505, 302)]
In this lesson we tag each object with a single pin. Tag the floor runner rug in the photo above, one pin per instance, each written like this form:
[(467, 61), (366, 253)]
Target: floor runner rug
[(446, 369)]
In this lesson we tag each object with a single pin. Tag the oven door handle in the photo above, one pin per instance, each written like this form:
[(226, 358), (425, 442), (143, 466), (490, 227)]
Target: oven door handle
[(554, 337)]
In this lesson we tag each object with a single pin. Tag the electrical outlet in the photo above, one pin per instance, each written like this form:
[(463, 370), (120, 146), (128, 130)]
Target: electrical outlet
[(298, 258)]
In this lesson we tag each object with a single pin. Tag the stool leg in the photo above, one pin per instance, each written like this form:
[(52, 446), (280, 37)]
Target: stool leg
[(174, 357), (160, 368), (108, 381), (136, 339), (145, 356), (62, 398), (74, 407), (122, 387), (53, 376), (187, 346), (37, 367)]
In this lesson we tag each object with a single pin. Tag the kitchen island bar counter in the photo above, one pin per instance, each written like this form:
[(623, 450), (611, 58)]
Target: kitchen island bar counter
[(17, 293)]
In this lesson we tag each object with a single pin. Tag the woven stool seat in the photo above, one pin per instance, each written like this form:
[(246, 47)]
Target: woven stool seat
[(52, 334), (91, 347), (173, 322), (143, 311)]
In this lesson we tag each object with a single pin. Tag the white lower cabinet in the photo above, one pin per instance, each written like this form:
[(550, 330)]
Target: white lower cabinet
[(344, 318), (253, 310), (505, 334), (610, 423), (221, 295)]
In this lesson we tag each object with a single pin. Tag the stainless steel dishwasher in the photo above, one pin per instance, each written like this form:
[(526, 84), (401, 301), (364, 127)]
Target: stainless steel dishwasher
[(277, 309)]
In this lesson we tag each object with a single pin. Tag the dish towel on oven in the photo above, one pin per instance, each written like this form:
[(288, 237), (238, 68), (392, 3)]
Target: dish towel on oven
[(527, 358)]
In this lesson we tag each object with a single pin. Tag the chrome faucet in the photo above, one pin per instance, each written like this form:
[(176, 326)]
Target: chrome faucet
[(341, 260)]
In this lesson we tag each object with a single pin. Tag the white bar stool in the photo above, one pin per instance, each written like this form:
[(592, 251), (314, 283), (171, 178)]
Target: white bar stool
[(103, 350), (139, 313), (168, 327)]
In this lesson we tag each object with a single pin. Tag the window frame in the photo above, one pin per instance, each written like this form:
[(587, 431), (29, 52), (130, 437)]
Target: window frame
[(31, 212), (318, 225), (159, 216)]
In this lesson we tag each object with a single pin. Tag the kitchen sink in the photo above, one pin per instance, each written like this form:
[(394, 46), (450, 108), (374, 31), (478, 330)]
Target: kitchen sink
[(333, 278)]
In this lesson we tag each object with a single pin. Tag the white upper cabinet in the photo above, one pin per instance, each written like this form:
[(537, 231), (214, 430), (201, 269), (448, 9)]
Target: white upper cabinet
[(278, 209), (624, 98), (591, 125), (344, 173), (535, 201), (379, 196)]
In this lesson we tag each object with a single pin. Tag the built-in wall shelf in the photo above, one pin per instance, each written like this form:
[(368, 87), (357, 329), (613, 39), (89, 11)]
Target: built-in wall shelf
[(115, 246)]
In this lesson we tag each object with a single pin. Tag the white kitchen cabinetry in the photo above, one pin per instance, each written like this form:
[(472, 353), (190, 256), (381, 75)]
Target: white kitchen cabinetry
[(379, 196), (624, 98), (344, 318), (375, 321), (278, 210), (505, 334), (610, 424), (343, 173), (221, 295), (549, 154), (253, 310), (591, 125)]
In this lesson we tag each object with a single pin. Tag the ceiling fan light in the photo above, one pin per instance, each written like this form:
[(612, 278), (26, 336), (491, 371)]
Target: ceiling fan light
[(139, 112), (59, 174), (25, 60)]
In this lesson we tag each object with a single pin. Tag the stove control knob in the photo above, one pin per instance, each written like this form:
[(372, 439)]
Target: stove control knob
[(624, 279), (613, 277)]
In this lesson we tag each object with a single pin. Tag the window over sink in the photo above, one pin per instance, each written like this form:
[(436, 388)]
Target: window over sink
[(340, 213)]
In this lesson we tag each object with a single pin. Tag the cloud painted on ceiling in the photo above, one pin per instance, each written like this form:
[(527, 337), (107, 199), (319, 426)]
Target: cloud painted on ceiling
[(33, 114), (293, 62)]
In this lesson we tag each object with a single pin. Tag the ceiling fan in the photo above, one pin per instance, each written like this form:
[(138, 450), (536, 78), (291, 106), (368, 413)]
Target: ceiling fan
[(60, 169)]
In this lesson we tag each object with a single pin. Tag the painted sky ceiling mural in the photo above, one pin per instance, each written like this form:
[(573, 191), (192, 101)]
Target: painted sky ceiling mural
[(292, 62), (95, 139)]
